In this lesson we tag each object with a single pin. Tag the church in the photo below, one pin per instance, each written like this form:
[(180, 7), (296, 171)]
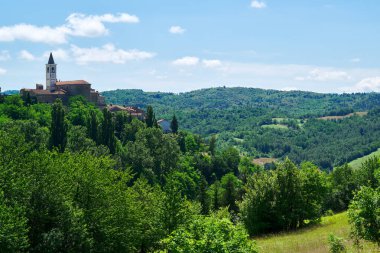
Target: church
[(62, 90)]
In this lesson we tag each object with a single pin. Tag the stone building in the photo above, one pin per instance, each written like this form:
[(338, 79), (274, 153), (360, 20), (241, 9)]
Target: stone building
[(63, 90)]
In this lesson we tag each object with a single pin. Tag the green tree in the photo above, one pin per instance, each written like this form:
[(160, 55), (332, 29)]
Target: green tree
[(176, 209), (365, 175), (174, 125), (13, 227), (215, 193), (231, 187), (150, 118), (364, 215), (93, 126), (107, 133), (58, 129), (203, 196), (215, 233), (212, 145)]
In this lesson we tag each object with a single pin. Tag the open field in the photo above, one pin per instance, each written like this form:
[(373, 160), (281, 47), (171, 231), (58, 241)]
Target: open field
[(276, 126), (263, 161), (361, 114), (313, 239), (358, 162)]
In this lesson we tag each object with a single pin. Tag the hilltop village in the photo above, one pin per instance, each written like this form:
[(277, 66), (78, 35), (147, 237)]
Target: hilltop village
[(57, 89)]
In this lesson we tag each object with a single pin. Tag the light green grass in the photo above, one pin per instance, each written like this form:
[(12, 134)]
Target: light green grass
[(355, 164), (313, 239), (274, 126)]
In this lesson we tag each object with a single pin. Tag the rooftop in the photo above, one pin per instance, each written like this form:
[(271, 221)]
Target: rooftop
[(75, 82)]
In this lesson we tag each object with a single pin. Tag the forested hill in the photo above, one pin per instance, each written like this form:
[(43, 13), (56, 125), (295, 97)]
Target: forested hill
[(270, 123), (281, 103)]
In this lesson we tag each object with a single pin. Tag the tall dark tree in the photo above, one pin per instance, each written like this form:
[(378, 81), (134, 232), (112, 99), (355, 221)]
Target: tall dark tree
[(58, 130), (212, 145), (121, 118), (174, 125), (108, 131), (203, 196), (93, 125), (230, 185), (150, 117), (215, 195)]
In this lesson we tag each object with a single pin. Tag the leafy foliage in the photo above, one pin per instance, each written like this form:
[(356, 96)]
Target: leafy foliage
[(210, 234)]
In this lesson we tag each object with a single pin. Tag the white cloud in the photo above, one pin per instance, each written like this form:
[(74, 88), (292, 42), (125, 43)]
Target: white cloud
[(4, 55), (186, 61), (212, 63), (44, 34), (77, 24), (176, 30), (324, 75), (258, 4), (370, 84), (2, 71), (107, 54), (26, 55), (93, 26)]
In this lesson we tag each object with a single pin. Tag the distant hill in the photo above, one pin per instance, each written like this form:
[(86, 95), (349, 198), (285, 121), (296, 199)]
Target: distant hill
[(240, 115), (11, 92)]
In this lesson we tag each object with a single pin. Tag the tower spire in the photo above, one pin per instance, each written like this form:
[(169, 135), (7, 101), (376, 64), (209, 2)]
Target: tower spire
[(51, 59), (51, 77)]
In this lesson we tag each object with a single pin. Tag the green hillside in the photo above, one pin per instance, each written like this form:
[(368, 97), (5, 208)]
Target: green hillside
[(313, 239), (271, 123), (355, 164)]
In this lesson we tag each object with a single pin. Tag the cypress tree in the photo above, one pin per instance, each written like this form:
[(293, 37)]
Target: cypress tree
[(93, 126), (174, 125), (203, 197), (58, 129), (150, 117), (215, 195), (212, 145), (108, 131)]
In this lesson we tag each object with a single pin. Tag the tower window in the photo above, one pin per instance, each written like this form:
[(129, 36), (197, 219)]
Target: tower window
[(52, 70), (47, 70)]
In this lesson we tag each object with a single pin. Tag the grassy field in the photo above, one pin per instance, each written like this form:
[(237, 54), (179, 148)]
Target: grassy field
[(274, 126), (358, 162), (313, 239)]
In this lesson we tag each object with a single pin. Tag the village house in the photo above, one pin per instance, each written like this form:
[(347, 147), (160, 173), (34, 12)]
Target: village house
[(133, 111), (165, 125)]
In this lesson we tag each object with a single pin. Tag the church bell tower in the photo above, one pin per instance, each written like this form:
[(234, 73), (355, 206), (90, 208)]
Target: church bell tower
[(51, 74)]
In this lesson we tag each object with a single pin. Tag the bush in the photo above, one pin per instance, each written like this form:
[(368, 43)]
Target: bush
[(215, 233), (364, 215), (336, 244)]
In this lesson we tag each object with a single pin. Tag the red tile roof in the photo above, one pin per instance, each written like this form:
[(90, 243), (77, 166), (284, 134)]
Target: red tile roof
[(130, 109), (75, 82)]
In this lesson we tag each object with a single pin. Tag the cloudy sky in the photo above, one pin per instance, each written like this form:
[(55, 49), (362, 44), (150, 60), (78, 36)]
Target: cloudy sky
[(182, 45)]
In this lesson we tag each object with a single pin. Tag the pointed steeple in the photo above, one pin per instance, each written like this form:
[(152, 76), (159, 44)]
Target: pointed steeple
[(51, 60)]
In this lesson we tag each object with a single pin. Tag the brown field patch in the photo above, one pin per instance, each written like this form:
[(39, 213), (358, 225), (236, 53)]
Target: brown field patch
[(264, 160), (361, 114)]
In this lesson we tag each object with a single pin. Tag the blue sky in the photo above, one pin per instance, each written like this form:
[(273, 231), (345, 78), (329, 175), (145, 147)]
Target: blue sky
[(178, 45)]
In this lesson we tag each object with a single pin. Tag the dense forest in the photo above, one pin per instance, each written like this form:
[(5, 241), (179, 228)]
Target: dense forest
[(269, 123), (78, 179)]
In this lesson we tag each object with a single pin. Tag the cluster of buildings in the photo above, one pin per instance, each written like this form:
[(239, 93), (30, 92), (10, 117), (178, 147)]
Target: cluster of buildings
[(62, 89), (65, 89)]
